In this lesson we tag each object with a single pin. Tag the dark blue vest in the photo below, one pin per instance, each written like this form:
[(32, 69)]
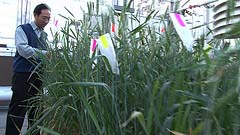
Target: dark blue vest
[(21, 64)]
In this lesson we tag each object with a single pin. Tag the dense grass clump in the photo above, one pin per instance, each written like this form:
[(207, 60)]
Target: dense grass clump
[(162, 88)]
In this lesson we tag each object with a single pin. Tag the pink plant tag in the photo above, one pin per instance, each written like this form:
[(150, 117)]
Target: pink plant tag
[(94, 45), (179, 20)]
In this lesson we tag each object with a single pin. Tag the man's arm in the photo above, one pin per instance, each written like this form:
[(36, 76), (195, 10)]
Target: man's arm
[(22, 46)]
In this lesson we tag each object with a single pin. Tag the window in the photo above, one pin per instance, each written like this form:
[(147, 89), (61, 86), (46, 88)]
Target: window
[(8, 15)]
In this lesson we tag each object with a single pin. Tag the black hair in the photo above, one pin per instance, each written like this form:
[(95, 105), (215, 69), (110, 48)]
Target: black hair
[(38, 9)]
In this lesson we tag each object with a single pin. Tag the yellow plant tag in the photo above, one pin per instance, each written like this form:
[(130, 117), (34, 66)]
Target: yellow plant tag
[(104, 41)]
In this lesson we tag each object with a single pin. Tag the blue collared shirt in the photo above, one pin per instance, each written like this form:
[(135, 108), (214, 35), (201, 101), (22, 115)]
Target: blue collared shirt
[(21, 42)]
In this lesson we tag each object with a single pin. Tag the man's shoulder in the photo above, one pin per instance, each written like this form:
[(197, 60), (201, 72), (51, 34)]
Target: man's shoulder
[(26, 28), (25, 25)]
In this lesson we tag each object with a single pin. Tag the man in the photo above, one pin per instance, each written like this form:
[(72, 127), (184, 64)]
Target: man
[(30, 41)]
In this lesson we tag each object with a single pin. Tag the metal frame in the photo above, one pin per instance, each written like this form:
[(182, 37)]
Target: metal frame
[(119, 4)]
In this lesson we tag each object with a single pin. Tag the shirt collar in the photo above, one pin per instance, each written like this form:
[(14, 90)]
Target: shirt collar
[(35, 27)]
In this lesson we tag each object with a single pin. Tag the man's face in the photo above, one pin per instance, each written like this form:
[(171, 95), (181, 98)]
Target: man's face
[(43, 19)]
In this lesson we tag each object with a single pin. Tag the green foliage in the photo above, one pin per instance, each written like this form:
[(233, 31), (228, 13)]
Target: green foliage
[(161, 87)]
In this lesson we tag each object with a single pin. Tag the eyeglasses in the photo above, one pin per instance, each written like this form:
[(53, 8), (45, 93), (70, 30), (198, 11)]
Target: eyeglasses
[(44, 18)]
